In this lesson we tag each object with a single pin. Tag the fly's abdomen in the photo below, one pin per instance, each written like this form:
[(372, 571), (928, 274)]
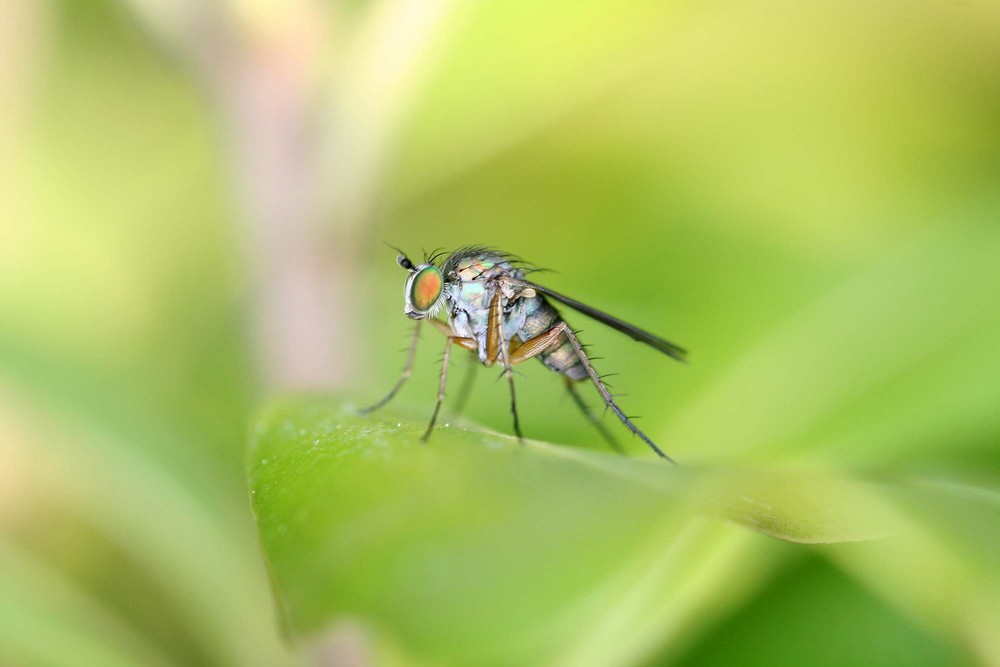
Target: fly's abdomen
[(540, 317)]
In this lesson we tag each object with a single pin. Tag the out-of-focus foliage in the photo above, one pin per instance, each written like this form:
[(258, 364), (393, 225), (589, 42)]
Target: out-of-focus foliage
[(541, 554), (124, 536), (803, 194)]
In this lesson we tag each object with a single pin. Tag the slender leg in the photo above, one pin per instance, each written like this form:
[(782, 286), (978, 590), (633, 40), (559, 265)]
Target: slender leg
[(468, 344), (441, 385), (540, 343), (407, 371), (505, 353), (605, 394), (592, 417), (440, 326), (467, 382), (494, 331), (496, 346)]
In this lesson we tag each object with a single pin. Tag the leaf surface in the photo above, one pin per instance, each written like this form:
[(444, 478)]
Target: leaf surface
[(474, 546)]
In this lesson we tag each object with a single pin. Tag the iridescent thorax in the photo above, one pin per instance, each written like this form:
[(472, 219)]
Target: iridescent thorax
[(471, 276)]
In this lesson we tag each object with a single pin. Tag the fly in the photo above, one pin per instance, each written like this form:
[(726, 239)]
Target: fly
[(491, 310)]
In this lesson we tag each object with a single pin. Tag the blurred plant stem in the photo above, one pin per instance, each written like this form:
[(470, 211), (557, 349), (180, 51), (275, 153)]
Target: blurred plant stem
[(22, 43), (310, 96)]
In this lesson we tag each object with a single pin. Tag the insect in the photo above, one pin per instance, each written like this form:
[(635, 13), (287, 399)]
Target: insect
[(502, 318)]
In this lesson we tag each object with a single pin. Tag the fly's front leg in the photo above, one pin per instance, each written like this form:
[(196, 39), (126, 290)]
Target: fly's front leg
[(451, 340), (441, 326), (407, 371), (470, 374)]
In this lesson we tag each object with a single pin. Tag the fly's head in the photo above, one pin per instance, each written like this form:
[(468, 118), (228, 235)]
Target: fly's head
[(424, 290)]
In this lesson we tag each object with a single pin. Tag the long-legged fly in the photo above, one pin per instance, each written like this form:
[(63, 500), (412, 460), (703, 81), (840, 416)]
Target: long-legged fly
[(493, 311)]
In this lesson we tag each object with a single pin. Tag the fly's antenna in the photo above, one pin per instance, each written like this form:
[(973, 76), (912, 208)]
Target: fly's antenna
[(401, 258)]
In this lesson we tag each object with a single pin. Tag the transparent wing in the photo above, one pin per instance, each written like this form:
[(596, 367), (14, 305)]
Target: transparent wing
[(633, 332)]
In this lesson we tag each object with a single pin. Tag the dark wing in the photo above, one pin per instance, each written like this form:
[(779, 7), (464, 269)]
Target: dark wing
[(635, 333)]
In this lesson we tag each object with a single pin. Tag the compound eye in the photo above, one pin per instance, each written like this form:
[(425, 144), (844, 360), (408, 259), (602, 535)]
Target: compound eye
[(426, 288)]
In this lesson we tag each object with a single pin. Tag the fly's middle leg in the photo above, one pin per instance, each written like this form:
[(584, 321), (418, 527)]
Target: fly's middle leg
[(505, 353), (466, 389), (496, 347)]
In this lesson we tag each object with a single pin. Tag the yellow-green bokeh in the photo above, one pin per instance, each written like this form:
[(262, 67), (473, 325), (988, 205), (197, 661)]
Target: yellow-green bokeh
[(803, 194)]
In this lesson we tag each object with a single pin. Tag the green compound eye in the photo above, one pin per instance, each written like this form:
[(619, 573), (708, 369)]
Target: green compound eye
[(426, 288)]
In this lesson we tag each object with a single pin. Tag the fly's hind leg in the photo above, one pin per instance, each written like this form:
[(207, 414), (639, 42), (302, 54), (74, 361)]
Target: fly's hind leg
[(605, 394), (592, 417), (550, 338), (407, 371)]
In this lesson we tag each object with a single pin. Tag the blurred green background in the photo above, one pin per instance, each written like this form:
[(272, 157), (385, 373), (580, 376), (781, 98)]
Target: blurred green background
[(193, 203)]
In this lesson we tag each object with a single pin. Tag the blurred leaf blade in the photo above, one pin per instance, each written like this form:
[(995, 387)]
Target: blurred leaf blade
[(941, 568), (471, 538), (86, 630)]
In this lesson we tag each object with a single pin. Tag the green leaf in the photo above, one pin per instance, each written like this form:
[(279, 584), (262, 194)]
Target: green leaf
[(472, 545)]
